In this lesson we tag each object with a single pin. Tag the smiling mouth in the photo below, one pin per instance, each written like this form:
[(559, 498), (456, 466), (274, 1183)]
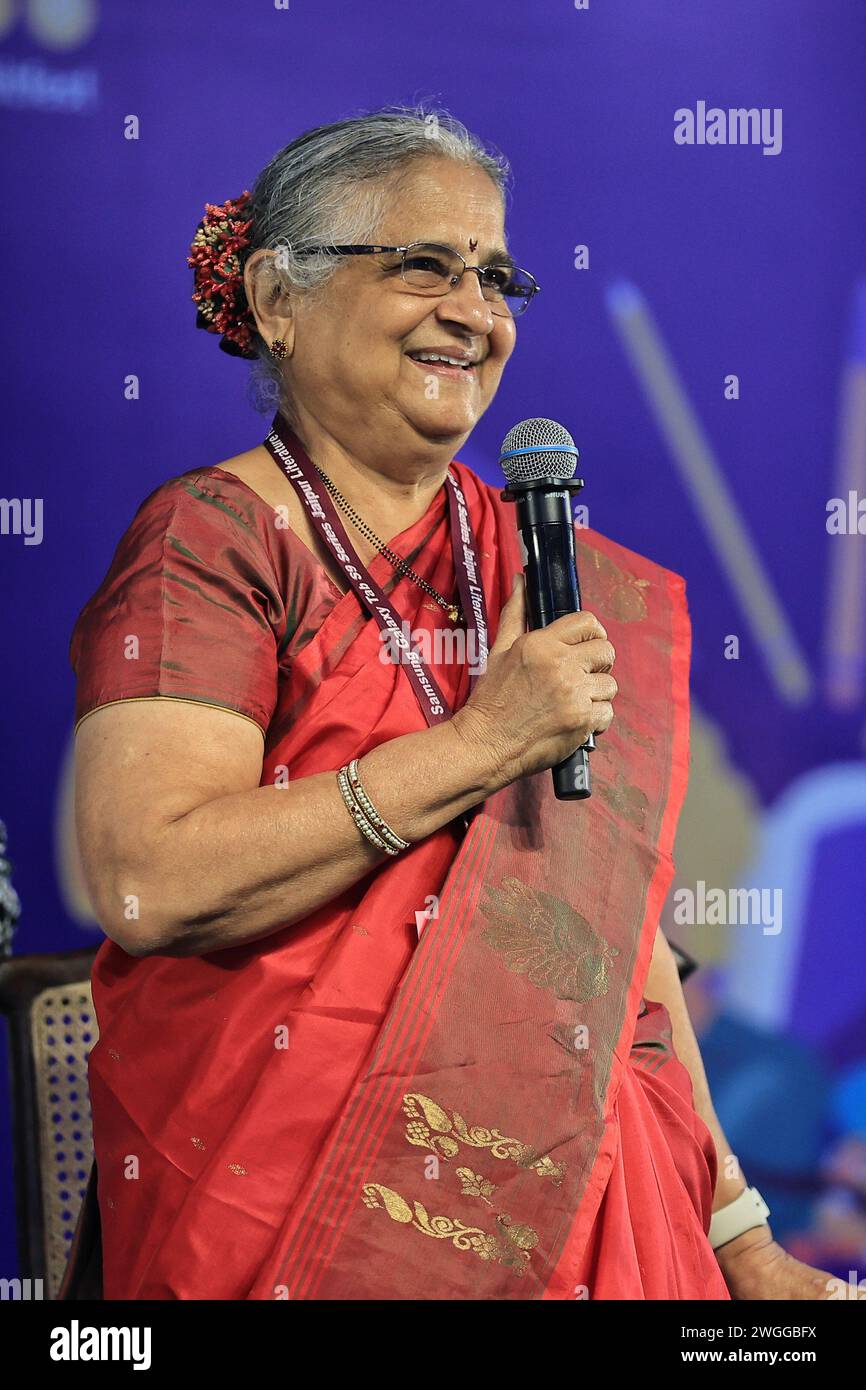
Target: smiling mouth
[(443, 364)]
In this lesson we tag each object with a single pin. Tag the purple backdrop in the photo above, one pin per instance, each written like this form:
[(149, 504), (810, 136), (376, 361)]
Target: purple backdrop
[(747, 262)]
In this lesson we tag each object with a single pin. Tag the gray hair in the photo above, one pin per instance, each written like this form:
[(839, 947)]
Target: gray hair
[(330, 186)]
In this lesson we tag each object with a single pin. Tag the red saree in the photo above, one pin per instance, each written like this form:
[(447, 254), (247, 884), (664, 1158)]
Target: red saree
[(341, 1110)]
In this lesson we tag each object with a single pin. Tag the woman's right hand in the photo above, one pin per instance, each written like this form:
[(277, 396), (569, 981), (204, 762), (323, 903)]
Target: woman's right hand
[(543, 692)]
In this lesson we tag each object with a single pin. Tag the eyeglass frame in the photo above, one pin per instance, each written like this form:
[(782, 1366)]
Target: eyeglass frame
[(360, 250)]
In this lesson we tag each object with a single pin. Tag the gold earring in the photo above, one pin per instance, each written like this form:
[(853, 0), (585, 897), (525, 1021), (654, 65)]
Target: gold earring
[(278, 349)]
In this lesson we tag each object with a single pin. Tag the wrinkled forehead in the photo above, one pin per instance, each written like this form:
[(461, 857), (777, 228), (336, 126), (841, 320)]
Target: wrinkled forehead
[(443, 201)]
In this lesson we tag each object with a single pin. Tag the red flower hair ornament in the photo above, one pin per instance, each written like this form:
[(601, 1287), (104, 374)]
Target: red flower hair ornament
[(219, 283)]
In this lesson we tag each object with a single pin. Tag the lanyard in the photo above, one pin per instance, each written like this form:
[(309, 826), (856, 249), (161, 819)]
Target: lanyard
[(290, 455)]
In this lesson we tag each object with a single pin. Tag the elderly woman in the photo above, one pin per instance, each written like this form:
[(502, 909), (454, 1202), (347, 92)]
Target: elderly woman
[(379, 1017)]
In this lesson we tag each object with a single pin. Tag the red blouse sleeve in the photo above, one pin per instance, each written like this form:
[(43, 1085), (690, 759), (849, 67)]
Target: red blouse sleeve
[(189, 610)]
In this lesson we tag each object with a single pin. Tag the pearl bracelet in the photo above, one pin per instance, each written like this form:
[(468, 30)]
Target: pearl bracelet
[(364, 813), (382, 827), (358, 815)]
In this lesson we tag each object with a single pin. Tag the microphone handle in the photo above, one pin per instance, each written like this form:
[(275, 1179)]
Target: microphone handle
[(552, 591), (571, 778)]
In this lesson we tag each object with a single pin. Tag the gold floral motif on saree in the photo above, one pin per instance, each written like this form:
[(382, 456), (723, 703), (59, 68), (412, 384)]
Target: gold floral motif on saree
[(625, 800), (627, 730), (432, 1128), (510, 1247), (475, 1185), (547, 939), (621, 591)]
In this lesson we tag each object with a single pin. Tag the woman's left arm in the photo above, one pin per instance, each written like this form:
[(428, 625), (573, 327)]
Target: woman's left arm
[(753, 1265)]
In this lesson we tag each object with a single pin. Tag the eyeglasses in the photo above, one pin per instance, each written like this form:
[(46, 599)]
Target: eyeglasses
[(429, 268)]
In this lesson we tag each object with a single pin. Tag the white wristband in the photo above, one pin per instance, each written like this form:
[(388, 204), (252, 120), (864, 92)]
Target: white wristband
[(743, 1214)]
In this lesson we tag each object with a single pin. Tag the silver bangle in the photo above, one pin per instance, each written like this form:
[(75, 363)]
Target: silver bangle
[(358, 816), (381, 826)]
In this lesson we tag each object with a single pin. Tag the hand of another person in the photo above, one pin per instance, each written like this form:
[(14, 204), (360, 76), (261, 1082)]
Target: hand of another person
[(755, 1266)]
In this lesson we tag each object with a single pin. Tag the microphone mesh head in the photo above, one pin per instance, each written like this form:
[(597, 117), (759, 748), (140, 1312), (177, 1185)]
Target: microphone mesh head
[(552, 453)]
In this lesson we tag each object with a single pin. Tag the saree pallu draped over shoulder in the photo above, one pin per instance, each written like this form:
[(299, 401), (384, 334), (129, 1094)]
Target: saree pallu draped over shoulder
[(437, 1086)]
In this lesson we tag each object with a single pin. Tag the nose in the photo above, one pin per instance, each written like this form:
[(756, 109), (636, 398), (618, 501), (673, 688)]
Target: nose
[(466, 305)]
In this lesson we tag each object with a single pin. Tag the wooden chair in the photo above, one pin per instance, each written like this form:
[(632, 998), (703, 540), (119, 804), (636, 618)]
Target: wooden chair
[(52, 1027)]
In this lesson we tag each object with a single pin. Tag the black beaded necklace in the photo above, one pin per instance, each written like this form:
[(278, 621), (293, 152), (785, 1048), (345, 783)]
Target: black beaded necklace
[(452, 609)]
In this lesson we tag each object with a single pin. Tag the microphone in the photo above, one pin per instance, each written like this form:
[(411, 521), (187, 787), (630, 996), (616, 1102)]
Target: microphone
[(539, 460)]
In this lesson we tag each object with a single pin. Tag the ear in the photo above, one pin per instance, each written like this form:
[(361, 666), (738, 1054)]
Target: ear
[(269, 303)]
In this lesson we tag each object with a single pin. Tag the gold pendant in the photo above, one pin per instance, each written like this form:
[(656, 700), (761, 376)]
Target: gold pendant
[(454, 613)]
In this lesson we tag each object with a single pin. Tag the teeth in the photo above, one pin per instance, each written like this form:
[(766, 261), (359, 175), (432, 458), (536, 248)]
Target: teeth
[(438, 357)]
